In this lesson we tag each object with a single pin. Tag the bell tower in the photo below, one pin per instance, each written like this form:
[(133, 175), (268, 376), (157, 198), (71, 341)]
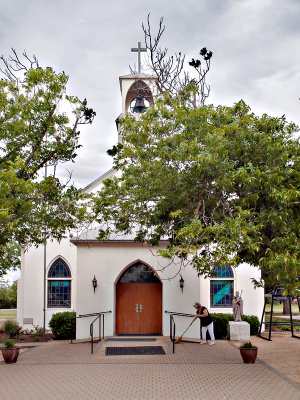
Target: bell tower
[(138, 90)]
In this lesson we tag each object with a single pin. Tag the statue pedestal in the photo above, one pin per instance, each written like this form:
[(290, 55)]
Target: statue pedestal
[(239, 330)]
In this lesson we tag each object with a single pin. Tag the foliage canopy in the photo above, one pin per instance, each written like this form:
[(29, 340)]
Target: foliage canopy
[(35, 132), (220, 184)]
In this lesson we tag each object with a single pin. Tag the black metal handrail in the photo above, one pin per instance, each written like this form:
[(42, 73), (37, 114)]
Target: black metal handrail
[(78, 316), (98, 315), (173, 325), (179, 314), (101, 314), (172, 332)]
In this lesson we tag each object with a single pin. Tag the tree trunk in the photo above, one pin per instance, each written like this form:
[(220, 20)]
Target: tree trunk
[(286, 307)]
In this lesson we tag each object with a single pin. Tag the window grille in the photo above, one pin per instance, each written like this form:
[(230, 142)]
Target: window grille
[(59, 269), (221, 287), (59, 288)]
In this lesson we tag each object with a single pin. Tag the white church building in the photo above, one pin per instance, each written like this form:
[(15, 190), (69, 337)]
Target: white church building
[(85, 275)]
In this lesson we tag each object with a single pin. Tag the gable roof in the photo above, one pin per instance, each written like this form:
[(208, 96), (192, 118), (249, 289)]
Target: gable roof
[(91, 235), (138, 76), (90, 187)]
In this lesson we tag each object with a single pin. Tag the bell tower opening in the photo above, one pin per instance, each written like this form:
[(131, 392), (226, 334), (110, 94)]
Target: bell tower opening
[(139, 97)]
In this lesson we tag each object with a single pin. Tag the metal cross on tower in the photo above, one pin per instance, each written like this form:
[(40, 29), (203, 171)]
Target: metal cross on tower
[(139, 50)]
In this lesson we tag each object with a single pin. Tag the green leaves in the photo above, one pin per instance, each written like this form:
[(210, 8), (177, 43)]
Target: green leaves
[(221, 184), (35, 133)]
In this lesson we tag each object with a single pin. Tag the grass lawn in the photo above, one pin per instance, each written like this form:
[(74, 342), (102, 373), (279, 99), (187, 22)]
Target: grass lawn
[(278, 308), (282, 327), (8, 314)]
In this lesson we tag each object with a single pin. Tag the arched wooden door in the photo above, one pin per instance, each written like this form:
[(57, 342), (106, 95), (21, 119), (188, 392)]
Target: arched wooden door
[(139, 302)]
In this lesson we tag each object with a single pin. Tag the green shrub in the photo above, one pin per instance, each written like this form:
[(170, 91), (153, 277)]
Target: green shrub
[(4, 303), (221, 324), (247, 345), (37, 336), (62, 327), (253, 321), (8, 344), (11, 328), (38, 329)]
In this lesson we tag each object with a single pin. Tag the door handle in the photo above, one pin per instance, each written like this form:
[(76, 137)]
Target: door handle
[(137, 308), (141, 308)]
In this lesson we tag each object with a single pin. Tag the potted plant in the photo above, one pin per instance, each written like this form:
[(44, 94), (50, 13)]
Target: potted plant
[(10, 352), (248, 353)]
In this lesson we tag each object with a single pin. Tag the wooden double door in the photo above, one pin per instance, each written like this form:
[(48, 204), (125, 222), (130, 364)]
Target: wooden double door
[(139, 308)]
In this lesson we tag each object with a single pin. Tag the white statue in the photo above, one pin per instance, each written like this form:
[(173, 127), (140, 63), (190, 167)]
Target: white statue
[(237, 304)]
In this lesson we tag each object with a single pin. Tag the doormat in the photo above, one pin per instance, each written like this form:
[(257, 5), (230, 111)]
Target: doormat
[(130, 340), (134, 351), (138, 334)]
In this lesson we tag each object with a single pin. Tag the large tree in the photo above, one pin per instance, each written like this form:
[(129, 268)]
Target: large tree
[(35, 132), (220, 183)]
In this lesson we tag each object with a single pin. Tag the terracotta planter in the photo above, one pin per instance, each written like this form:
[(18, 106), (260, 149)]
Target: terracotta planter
[(249, 355), (10, 355)]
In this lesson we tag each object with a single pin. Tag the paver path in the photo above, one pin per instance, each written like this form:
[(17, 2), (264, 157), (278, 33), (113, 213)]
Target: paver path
[(282, 353), (59, 370)]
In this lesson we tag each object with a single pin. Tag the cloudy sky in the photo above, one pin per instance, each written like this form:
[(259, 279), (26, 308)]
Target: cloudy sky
[(255, 46)]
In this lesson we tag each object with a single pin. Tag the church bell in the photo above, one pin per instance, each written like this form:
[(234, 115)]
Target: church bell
[(139, 106)]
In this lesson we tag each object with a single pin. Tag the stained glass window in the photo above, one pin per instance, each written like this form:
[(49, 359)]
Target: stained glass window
[(139, 273), (221, 287), (59, 269), (222, 272), (59, 290)]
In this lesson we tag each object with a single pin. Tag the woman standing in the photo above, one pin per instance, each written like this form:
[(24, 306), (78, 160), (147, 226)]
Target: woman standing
[(206, 323)]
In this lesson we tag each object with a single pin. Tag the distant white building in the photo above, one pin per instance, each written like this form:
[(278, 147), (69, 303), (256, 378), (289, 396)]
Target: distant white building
[(131, 281)]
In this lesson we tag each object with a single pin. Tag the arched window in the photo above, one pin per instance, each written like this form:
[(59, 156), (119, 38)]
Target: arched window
[(59, 285), (221, 287), (139, 273)]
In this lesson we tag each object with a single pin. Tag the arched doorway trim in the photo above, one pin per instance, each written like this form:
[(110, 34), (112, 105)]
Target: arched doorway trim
[(138, 300), (136, 262)]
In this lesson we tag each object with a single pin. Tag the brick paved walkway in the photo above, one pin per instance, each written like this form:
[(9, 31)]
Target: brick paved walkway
[(59, 370)]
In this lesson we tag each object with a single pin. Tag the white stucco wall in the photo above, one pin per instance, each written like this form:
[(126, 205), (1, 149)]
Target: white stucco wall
[(107, 262), (30, 285)]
